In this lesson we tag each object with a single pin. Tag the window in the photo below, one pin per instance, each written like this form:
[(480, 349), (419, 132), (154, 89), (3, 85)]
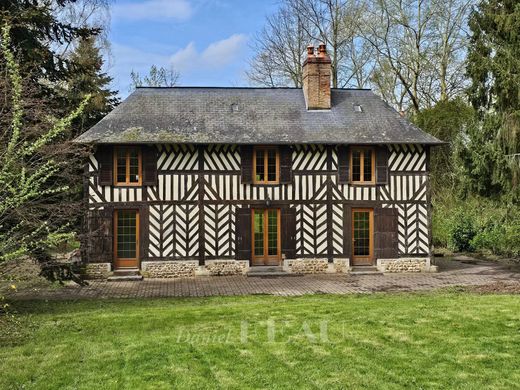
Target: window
[(127, 166), (266, 165), (362, 165)]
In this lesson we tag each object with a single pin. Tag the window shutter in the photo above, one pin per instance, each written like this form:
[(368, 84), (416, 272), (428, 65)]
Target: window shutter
[(343, 164), (105, 161), (347, 228), (288, 226), (243, 233), (385, 233), (149, 162), (285, 164), (144, 232), (382, 165), (246, 157), (99, 235)]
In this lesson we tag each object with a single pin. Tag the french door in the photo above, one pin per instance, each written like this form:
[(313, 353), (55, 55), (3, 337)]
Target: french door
[(126, 239), (266, 236), (362, 236)]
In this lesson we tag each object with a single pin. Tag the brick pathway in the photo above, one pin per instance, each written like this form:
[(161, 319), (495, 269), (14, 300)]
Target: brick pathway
[(452, 273)]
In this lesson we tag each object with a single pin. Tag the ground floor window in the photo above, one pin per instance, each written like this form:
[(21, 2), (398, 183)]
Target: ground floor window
[(126, 238), (362, 236), (266, 236)]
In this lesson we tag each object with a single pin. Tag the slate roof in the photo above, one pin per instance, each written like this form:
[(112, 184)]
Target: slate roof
[(202, 115)]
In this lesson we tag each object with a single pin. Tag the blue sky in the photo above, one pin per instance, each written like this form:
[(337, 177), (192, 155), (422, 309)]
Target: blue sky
[(207, 41)]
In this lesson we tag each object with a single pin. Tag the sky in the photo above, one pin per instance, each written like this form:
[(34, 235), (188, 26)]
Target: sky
[(206, 41)]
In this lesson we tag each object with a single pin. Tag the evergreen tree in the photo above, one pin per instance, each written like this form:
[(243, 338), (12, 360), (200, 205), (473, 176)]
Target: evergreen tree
[(492, 155), (91, 80), (448, 121), (37, 36)]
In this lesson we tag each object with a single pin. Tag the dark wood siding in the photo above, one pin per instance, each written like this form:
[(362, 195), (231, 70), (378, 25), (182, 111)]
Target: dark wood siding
[(385, 233), (149, 161), (144, 231), (347, 231), (99, 236), (343, 164), (286, 175), (288, 230), (381, 165), (243, 233), (246, 157), (104, 156)]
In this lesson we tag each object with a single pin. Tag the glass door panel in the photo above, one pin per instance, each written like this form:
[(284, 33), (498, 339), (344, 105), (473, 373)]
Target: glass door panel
[(266, 236), (258, 233), (126, 238), (362, 236)]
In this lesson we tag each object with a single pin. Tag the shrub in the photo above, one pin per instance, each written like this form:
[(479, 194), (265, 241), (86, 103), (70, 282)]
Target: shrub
[(461, 232), (476, 224)]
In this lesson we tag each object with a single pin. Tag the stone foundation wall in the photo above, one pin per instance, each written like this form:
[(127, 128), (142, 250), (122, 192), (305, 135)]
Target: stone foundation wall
[(404, 265), (169, 269), (97, 270), (226, 267), (341, 266), (306, 266)]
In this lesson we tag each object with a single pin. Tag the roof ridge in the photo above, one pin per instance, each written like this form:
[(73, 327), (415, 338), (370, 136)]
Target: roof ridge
[(261, 88)]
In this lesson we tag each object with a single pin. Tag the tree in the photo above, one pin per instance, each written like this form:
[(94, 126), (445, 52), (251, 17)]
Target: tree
[(37, 35), (493, 67), (280, 50), (420, 48), (42, 39), (89, 80), (448, 120), (25, 176), (334, 22), (157, 77)]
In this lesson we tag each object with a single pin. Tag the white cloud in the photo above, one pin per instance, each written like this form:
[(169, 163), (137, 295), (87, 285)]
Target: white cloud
[(153, 10), (217, 54)]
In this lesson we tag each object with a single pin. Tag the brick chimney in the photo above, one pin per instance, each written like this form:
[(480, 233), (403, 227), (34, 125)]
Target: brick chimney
[(316, 79)]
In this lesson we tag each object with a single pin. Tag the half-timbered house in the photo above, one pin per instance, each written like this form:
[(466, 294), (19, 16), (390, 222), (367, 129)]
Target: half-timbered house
[(185, 181)]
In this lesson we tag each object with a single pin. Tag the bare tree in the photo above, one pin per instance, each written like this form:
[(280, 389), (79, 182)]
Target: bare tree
[(334, 22), (280, 50), (157, 77), (280, 47), (399, 32), (91, 13), (422, 42), (451, 33)]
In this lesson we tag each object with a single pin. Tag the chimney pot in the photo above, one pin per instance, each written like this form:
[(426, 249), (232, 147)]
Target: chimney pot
[(310, 50), (322, 49)]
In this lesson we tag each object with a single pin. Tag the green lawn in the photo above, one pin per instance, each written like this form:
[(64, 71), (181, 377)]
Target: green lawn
[(451, 340)]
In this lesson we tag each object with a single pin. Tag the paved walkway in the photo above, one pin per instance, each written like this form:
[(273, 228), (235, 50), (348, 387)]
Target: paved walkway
[(452, 273)]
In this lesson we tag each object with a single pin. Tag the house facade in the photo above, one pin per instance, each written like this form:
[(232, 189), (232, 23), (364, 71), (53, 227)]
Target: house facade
[(215, 181)]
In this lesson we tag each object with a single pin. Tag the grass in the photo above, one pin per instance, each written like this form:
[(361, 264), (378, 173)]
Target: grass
[(434, 340)]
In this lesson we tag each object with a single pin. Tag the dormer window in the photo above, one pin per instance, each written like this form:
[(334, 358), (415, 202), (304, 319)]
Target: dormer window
[(266, 165), (362, 162), (127, 166)]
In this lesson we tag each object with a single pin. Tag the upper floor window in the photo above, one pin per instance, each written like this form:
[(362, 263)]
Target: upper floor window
[(266, 165), (362, 163), (127, 166)]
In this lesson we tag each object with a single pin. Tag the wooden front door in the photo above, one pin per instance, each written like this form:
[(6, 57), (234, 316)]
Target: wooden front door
[(362, 236), (266, 236), (126, 239)]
